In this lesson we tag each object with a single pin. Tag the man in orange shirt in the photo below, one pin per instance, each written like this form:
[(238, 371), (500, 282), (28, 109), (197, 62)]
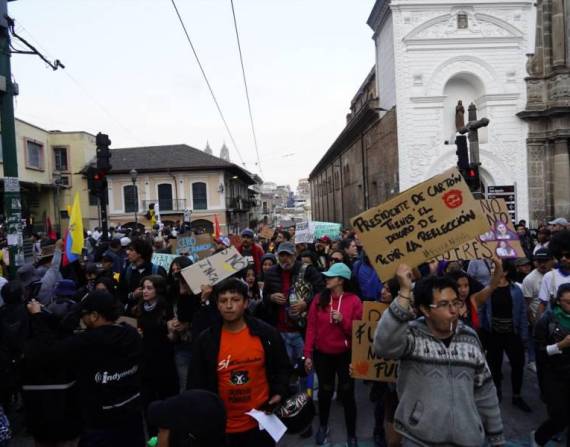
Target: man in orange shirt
[(243, 360)]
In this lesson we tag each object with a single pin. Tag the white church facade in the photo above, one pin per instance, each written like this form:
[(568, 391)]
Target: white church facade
[(432, 53)]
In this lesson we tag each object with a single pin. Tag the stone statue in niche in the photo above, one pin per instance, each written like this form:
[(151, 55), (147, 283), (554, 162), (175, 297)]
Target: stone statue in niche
[(459, 116)]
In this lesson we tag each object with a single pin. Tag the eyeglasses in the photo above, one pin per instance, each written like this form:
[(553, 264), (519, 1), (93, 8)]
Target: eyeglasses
[(458, 304), (333, 260)]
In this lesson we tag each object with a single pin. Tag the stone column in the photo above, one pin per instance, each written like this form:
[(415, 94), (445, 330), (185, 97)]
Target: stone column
[(561, 179), (558, 34)]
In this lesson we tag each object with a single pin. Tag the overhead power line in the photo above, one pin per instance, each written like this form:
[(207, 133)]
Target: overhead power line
[(246, 89), (207, 81)]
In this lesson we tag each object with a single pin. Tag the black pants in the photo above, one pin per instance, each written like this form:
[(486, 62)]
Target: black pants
[(556, 389), (329, 366), (129, 434), (254, 437), (512, 345)]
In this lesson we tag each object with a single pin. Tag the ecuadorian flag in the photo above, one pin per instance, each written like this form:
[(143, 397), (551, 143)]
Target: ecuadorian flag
[(74, 241)]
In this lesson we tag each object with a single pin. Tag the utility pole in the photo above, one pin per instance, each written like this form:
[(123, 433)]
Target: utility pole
[(12, 200)]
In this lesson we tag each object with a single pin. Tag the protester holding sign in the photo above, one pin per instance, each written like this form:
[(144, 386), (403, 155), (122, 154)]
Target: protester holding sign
[(443, 376), (328, 344)]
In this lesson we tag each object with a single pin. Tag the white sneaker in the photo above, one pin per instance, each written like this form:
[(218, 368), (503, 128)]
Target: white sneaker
[(532, 366)]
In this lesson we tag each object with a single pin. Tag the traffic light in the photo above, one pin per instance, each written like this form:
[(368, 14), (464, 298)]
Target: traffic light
[(462, 153), (472, 177), (96, 180), (103, 142)]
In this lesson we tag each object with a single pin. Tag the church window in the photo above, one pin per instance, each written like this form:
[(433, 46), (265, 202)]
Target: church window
[(462, 21)]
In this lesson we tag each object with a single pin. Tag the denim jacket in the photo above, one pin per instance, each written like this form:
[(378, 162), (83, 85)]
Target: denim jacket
[(520, 321)]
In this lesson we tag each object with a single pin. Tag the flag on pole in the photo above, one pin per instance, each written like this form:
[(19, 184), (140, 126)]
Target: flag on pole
[(216, 227), (75, 240), (49, 230)]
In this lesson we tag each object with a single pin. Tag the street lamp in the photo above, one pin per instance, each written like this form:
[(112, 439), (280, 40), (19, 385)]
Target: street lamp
[(134, 175)]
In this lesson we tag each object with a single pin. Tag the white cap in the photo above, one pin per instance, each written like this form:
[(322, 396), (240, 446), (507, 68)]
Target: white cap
[(125, 241)]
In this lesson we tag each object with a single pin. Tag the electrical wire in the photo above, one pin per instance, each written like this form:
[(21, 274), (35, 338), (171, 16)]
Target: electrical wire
[(246, 89), (207, 81), (85, 91)]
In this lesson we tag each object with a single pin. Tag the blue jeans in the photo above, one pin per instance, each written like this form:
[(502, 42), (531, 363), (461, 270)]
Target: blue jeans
[(294, 344)]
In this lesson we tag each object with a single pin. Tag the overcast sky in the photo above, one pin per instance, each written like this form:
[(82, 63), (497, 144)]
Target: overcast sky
[(130, 73)]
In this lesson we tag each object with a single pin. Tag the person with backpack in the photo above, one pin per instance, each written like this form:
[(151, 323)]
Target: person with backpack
[(139, 255)]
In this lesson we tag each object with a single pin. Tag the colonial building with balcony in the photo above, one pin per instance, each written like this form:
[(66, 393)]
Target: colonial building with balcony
[(179, 177)]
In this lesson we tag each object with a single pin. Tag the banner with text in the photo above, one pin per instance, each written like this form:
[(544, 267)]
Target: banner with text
[(308, 232), (214, 269), (500, 239), (163, 259), (200, 245), (420, 223), (365, 363)]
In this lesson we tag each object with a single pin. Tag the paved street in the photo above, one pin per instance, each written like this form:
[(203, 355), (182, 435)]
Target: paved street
[(517, 424)]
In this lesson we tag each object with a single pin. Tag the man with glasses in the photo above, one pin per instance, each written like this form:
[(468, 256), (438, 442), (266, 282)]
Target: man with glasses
[(442, 366), (560, 248), (250, 250)]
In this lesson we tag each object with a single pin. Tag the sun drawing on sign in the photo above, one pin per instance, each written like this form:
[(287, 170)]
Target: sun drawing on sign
[(228, 267), (362, 368)]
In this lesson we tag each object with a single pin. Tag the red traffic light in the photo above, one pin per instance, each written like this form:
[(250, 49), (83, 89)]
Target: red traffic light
[(472, 173)]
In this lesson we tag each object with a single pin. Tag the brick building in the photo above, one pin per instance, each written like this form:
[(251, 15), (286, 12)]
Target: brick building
[(360, 169), (548, 113)]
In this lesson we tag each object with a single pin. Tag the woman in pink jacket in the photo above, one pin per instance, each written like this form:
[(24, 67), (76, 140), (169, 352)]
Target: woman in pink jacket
[(327, 347)]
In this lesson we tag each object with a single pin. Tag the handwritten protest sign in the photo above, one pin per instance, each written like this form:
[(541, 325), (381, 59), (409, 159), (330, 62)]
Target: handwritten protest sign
[(420, 223), (303, 234), (199, 245), (266, 232), (365, 363), (163, 259), (500, 238), (212, 270), (330, 229)]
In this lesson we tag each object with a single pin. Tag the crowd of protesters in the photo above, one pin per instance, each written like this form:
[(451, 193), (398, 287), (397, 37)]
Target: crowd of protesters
[(114, 350)]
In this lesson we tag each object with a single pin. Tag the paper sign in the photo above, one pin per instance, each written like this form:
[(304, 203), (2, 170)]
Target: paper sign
[(270, 423), (163, 259), (212, 270), (303, 233), (266, 232), (500, 239), (200, 246), (373, 310), (365, 363), (419, 224), (329, 229)]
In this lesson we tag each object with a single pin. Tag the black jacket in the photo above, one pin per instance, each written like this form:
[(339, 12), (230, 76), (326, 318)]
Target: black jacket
[(204, 371), (548, 331), (107, 366), (272, 284), (131, 279)]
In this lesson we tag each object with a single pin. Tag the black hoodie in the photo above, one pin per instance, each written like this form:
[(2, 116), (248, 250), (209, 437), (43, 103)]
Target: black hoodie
[(107, 362)]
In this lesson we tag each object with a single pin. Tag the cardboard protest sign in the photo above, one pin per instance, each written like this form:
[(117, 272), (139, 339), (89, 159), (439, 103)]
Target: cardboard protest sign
[(420, 223), (266, 232), (200, 245), (303, 233), (500, 237), (330, 229), (212, 270), (373, 310), (365, 363), (163, 259)]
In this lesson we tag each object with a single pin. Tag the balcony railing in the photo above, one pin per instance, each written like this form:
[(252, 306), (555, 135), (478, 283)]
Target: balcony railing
[(166, 205)]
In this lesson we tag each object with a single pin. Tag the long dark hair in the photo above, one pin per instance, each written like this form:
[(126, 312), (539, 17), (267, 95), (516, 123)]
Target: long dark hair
[(160, 286), (325, 295), (255, 294)]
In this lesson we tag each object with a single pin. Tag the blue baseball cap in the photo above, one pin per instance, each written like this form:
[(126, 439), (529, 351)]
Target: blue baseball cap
[(338, 269)]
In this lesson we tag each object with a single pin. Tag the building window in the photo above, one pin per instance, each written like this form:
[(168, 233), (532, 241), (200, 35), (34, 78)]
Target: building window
[(199, 196), (131, 198), (34, 155), (165, 197), (60, 157), (462, 21)]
